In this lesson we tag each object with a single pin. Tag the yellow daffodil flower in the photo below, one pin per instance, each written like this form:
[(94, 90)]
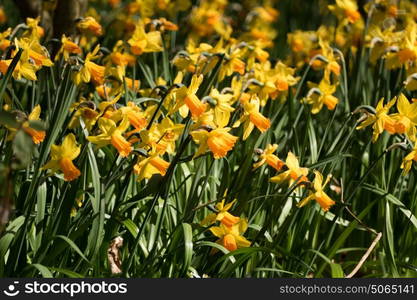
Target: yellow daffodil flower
[(265, 85), (346, 9), (90, 71), (88, 111), (36, 52), (267, 156), (406, 118), (37, 135), (411, 82), (293, 173), (381, 120), (252, 118), (322, 95), (90, 25), (219, 141), (188, 97), (330, 64), (112, 134), (68, 47), (135, 115), (25, 67), (232, 63), (222, 215), (283, 78), (147, 167), (408, 160), (62, 157), (222, 108), (231, 237), (318, 195), (142, 42), (34, 31), (162, 136)]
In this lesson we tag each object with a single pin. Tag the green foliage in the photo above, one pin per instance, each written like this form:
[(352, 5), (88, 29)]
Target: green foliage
[(64, 229)]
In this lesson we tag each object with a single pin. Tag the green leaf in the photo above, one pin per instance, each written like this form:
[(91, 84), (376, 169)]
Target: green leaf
[(7, 239), (41, 203), (8, 119), (22, 149), (6, 78), (43, 270), (408, 214), (96, 234), (337, 271), (188, 245), (69, 273), (38, 125), (73, 246)]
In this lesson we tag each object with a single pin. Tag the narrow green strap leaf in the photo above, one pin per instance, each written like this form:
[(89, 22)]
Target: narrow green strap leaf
[(43, 270), (73, 246)]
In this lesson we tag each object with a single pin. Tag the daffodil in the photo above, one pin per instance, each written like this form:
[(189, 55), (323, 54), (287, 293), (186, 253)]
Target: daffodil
[(283, 79), (322, 95), (267, 156), (331, 64), (232, 63), (90, 113), (222, 107), (318, 194), (294, 172), (406, 118), (34, 31), (142, 42), (256, 52), (346, 9), (37, 135), (380, 121), (4, 41), (222, 215), (411, 82), (162, 25), (380, 41), (113, 134), (252, 118), (36, 52), (25, 67), (263, 85), (231, 237), (68, 47), (90, 25), (301, 41), (162, 136), (187, 100), (206, 19), (90, 71), (149, 166), (406, 54), (408, 160), (219, 141), (135, 115), (62, 158)]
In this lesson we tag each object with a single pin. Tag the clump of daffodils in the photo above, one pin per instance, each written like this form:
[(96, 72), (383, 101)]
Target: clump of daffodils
[(213, 93)]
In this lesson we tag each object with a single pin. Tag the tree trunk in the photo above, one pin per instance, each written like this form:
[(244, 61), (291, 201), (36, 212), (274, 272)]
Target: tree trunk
[(56, 21), (29, 8), (65, 16)]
